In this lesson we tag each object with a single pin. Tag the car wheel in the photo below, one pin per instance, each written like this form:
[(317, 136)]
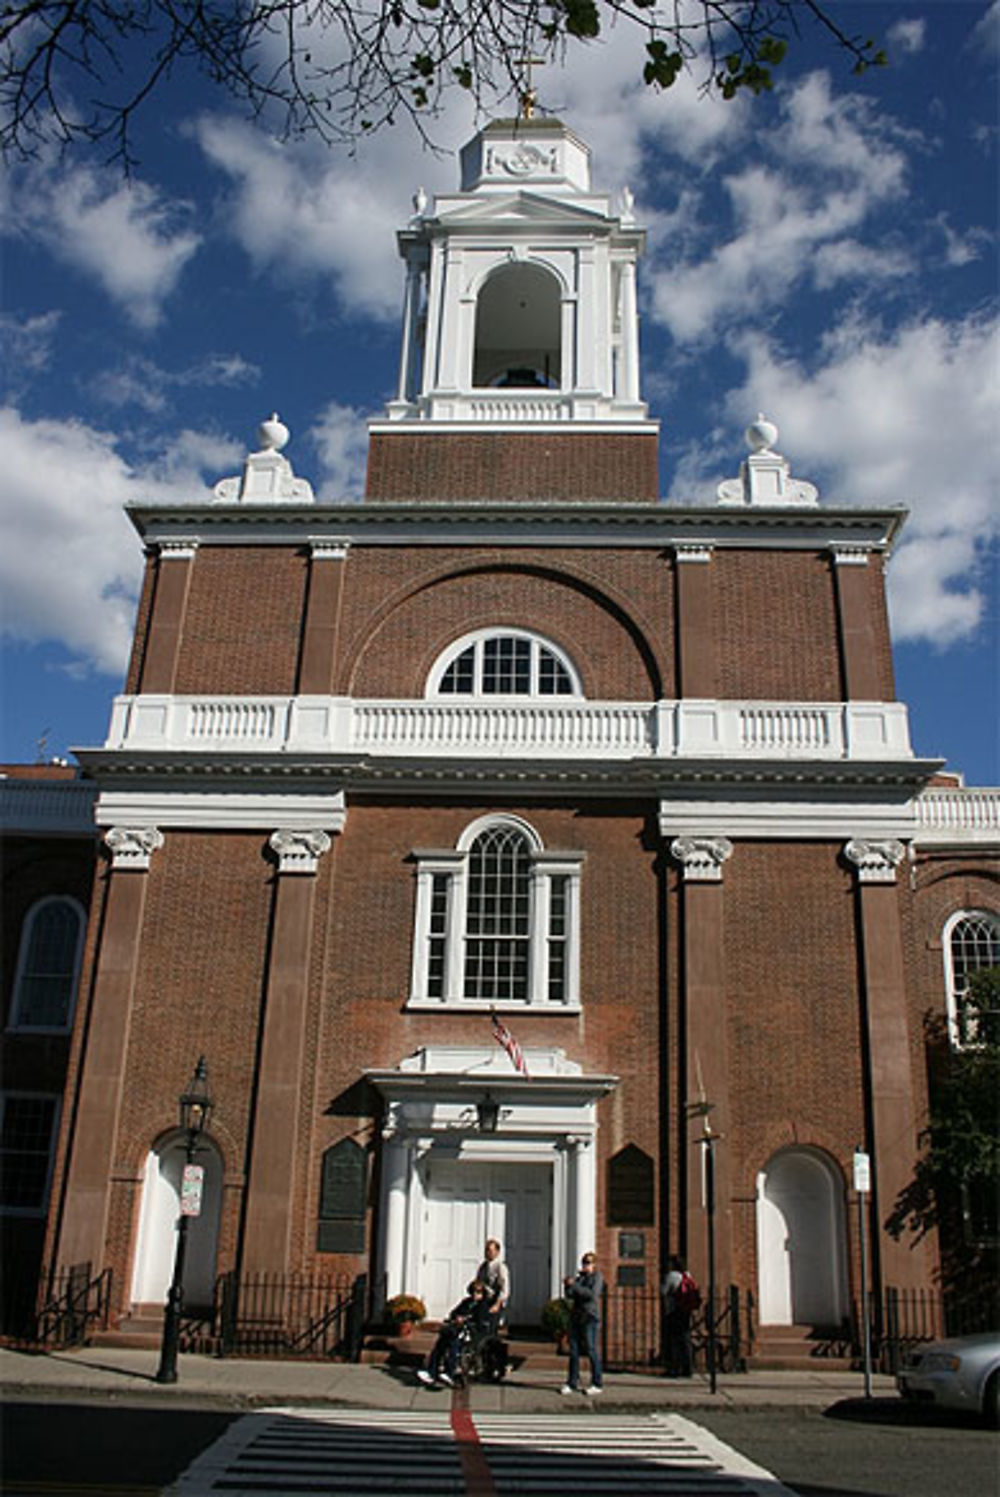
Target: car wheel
[(991, 1401)]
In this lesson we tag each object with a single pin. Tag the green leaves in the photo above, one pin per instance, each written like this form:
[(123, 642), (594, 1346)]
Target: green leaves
[(662, 66), (580, 18), (752, 71)]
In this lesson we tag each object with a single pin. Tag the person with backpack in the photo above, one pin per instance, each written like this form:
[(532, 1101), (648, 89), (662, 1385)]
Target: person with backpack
[(681, 1298)]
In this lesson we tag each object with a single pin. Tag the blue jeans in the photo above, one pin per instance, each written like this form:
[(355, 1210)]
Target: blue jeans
[(584, 1340)]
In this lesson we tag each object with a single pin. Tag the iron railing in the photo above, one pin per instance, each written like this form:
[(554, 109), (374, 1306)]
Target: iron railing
[(78, 1304), (632, 1330), (290, 1315)]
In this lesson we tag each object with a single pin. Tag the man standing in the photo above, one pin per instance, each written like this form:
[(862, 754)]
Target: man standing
[(493, 1273), (585, 1294), (681, 1298)]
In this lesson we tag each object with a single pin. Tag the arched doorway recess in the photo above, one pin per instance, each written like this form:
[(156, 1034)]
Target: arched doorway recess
[(801, 1233), (156, 1242)]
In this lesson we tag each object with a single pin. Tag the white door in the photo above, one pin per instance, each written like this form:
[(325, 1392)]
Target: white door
[(156, 1242), (467, 1202), (800, 1233)]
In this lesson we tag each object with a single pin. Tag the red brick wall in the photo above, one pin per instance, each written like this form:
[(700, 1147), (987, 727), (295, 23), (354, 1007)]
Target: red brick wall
[(574, 466), (776, 626), (243, 621), (795, 1039), (610, 611)]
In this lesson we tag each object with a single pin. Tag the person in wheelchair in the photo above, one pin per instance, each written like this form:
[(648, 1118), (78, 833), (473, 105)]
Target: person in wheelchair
[(468, 1325)]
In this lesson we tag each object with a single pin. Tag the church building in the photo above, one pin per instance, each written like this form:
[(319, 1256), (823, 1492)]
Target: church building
[(514, 839)]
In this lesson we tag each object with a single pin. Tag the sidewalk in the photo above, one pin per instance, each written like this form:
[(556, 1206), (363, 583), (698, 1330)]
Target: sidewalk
[(108, 1374)]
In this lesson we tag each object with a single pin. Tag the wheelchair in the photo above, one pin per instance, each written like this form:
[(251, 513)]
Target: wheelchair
[(482, 1356)]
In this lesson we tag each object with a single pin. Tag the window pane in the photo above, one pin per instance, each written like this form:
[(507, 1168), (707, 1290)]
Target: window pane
[(498, 916), (45, 990), (557, 939), (975, 943), (553, 677), (507, 665), (437, 936), (25, 1149), (459, 678)]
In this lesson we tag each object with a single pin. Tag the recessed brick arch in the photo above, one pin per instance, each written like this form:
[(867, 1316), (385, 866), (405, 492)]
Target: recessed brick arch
[(577, 611)]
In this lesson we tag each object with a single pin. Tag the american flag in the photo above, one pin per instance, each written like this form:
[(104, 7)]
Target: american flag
[(503, 1037)]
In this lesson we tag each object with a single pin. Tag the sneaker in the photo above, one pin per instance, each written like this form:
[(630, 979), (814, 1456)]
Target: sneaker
[(443, 1377), (424, 1376), (568, 1388), (593, 1391)]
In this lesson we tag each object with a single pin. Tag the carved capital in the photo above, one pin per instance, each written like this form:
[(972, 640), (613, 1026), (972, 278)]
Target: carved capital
[(322, 548), (693, 551), (132, 847), (855, 555), (181, 549), (299, 852), (876, 862), (701, 857)]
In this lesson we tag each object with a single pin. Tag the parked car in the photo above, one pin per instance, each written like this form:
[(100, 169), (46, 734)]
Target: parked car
[(962, 1372)]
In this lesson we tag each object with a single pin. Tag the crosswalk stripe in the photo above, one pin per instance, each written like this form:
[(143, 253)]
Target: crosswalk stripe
[(326, 1452)]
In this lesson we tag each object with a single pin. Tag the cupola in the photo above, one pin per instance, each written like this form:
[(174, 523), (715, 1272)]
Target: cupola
[(519, 366)]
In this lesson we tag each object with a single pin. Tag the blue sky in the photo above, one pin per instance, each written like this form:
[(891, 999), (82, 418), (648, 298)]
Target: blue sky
[(826, 254)]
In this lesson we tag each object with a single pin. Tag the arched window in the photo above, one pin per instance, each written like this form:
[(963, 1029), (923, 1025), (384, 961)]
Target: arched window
[(509, 662), (497, 920), (971, 942), (518, 329), (48, 965)]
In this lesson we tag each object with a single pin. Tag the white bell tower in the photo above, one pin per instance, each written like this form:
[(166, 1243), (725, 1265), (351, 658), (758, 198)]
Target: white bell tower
[(520, 317)]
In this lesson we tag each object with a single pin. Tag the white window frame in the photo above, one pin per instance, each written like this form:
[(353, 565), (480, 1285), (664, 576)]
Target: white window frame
[(56, 1100), (478, 639), (950, 981), (453, 864), (27, 932)]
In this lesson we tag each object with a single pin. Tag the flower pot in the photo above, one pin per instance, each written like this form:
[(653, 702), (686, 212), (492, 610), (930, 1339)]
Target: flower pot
[(404, 1328)]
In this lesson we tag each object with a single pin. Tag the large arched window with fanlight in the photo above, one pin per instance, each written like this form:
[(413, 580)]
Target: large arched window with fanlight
[(48, 965), (497, 921), (971, 942), (504, 663)]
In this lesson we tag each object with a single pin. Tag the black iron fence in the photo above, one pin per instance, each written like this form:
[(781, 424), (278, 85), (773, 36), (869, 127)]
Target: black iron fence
[(290, 1315), (77, 1305), (632, 1330)]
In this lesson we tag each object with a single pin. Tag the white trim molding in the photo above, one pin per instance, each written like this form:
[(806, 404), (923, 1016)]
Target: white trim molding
[(238, 810), (849, 556), (177, 549), (701, 857), (132, 847), (700, 551), (328, 548), (298, 851), (876, 862)]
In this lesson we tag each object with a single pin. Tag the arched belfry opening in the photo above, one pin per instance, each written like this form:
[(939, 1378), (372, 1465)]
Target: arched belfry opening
[(518, 329)]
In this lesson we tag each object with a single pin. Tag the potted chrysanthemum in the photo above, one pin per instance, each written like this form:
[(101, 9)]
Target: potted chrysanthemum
[(405, 1311)]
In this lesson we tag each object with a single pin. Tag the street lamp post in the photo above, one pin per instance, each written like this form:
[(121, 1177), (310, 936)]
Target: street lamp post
[(707, 1142), (195, 1104)]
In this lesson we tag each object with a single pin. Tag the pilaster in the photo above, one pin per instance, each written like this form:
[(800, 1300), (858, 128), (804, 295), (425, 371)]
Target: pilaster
[(318, 661), (890, 1082), (862, 679), (166, 626), (705, 1076), (271, 1187), (93, 1141), (696, 655)]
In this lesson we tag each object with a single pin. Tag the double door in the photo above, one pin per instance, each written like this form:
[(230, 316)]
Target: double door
[(467, 1202)]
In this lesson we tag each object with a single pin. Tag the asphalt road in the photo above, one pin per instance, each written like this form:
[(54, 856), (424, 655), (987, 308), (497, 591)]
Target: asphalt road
[(878, 1449), (859, 1448)]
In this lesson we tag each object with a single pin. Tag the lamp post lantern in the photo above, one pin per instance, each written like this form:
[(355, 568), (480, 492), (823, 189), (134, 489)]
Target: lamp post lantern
[(195, 1106)]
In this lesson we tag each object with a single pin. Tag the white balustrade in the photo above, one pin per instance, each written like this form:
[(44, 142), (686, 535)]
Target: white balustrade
[(944, 811), (530, 730)]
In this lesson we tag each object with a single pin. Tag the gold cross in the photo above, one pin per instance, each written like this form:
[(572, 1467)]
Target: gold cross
[(527, 95)]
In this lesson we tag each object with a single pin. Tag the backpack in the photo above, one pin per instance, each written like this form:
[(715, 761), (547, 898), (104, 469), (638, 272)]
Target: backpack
[(687, 1295)]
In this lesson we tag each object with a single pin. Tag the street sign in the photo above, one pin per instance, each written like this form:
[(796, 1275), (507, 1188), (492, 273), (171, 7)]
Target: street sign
[(862, 1173), (192, 1185)]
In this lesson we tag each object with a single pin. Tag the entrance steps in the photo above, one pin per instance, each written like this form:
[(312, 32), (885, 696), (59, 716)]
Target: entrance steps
[(801, 1348), (414, 1349), (141, 1328)]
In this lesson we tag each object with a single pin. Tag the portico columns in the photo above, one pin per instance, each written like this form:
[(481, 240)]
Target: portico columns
[(705, 1061), (890, 1074), (94, 1140), (266, 1239)]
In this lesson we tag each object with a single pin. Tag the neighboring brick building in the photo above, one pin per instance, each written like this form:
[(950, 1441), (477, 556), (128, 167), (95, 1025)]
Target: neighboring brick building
[(513, 736)]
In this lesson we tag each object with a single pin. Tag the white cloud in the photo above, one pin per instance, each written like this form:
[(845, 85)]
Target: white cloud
[(985, 35), (124, 236), (907, 36), (142, 382), (70, 563), (26, 346), (341, 439), (797, 209), (907, 417)]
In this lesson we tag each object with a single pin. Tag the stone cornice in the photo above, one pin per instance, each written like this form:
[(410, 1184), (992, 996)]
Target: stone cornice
[(514, 524)]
